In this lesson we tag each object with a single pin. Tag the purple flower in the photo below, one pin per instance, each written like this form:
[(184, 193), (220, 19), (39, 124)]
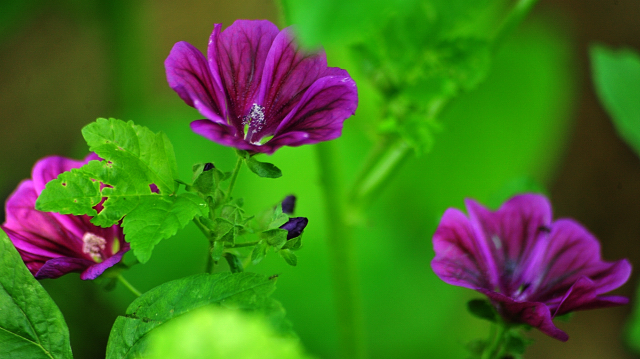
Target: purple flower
[(53, 244), (259, 91), (531, 268)]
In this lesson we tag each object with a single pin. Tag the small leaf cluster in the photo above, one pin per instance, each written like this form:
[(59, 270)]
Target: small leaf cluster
[(272, 236), (420, 58)]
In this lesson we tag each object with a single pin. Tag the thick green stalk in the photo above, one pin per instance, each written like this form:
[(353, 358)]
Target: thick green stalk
[(342, 256)]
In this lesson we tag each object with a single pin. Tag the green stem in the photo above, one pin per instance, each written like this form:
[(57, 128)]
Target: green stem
[(129, 286), (210, 265), (494, 350), (515, 17), (245, 244), (234, 176), (342, 256), (387, 158)]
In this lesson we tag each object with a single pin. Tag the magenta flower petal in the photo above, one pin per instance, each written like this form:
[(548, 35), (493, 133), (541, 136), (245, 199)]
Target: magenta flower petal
[(261, 91), (57, 267), (241, 51), (461, 259), (53, 244), (188, 74), (531, 267)]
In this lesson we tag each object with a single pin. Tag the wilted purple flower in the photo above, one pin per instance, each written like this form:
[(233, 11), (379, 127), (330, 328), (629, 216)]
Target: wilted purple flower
[(53, 244), (532, 269), (259, 91)]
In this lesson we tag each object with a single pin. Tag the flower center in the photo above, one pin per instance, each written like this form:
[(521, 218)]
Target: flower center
[(253, 122), (93, 245)]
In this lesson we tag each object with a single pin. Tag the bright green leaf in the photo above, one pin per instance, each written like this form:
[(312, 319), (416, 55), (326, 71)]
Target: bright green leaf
[(616, 75), (247, 291), (133, 146), (134, 159), (71, 193), (31, 325), (263, 169), (159, 217), (215, 333)]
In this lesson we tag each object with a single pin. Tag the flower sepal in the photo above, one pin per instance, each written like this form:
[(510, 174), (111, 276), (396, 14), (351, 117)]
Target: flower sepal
[(262, 169), (483, 309)]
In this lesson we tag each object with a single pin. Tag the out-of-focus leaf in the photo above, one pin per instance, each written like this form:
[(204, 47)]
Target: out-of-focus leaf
[(214, 333), (247, 291), (616, 75), (31, 325)]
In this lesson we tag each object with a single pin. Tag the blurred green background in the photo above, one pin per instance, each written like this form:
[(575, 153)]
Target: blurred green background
[(534, 122)]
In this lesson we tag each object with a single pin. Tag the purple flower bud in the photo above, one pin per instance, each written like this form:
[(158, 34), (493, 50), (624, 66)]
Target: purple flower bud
[(531, 268), (295, 226), (288, 204), (208, 167), (259, 91), (53, 244)]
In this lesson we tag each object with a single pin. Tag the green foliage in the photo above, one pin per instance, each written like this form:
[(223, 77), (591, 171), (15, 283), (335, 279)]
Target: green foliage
[(416, 54), (31, 325), (616, 75), (263, 169), (247, 291), (214, 333), (134, 159)]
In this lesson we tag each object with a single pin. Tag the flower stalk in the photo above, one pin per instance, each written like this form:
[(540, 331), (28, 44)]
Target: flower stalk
[(342, 256), (129, 286)]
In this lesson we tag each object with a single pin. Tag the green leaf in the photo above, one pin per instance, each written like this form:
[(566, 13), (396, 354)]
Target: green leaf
[(134, 159), (159, 217), (31, 325), (259, 252), (215, 333), (72, 192), (263, 169), (276, 237), (289, 257), (247, 291), (616, 75), (235, 265), (482, 309), (136, 147)]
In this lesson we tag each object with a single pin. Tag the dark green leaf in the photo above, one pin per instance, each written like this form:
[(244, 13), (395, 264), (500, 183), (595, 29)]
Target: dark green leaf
[(482, 309), (263, 169), (617, 78), (31, 325), (129, 335), (235, 265)]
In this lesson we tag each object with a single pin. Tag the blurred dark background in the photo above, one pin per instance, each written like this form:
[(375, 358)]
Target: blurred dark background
[(64, 63)]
